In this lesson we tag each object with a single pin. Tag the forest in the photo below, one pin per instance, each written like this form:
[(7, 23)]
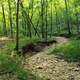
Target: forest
[(39, 39)]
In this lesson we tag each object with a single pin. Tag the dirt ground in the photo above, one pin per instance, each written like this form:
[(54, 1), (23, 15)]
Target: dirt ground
[(3, 40), (51, 67)]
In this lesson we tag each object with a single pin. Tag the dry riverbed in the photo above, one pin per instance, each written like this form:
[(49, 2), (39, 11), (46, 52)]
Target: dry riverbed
[(51, 67)]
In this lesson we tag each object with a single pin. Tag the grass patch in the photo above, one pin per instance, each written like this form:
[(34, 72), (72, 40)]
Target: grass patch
[(25, 41), (7, 64), (70, 50), (10, 65)]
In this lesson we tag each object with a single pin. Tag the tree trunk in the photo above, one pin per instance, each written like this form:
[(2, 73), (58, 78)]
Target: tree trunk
[(10, 18), (17, 26), (51, 21), (76, 14), (67, 18), (46, 35), (4, 20), (42, 13)]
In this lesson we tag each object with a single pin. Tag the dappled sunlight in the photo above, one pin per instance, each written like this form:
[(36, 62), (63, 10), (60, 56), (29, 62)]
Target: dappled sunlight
[(4, 38), (3, 41)]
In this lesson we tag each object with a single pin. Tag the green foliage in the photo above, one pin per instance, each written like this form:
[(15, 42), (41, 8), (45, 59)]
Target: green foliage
[(7, 64), (12, 65), (27, 40), (34, 8), (71, 50)]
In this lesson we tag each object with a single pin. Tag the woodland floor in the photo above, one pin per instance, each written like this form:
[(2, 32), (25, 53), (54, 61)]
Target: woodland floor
[(53, 67), (3, 41), (49, 66), (6, 76)]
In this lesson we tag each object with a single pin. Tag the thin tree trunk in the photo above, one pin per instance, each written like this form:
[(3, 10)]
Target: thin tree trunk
[(76, 14), (10, 18), (32, 9), (46, 35), (56, 18), (51, 21), (24, 27), (67, 18), (17, 27), (42, 13), (28, 20), (4, 19)]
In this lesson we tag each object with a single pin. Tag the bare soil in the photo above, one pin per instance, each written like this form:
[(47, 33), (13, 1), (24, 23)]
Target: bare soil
[(36, 47), (51, 67), (3, 40)]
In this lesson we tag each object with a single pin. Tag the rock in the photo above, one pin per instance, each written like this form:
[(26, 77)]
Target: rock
[(48, 79), (39, 67), (77, 69), (78, 65), (71, 77)]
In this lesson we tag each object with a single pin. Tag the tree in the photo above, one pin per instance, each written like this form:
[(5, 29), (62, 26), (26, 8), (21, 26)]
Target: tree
[(51, 19), (56, 14), (17, 26), (4, 19), (76, 14), (67, 17), (29, 21), (10, 18), (42, 14), (46, 20)]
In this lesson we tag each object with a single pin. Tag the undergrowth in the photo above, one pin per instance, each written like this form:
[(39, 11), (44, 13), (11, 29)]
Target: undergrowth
[(70, 50), (13, 65)]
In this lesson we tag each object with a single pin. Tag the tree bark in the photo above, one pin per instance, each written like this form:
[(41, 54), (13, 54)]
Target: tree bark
[(10, 18), (4, 20)]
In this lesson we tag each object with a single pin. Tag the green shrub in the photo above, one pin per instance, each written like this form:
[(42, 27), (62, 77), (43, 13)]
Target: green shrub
[(71, 50), (13, 66), (7, 64)]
